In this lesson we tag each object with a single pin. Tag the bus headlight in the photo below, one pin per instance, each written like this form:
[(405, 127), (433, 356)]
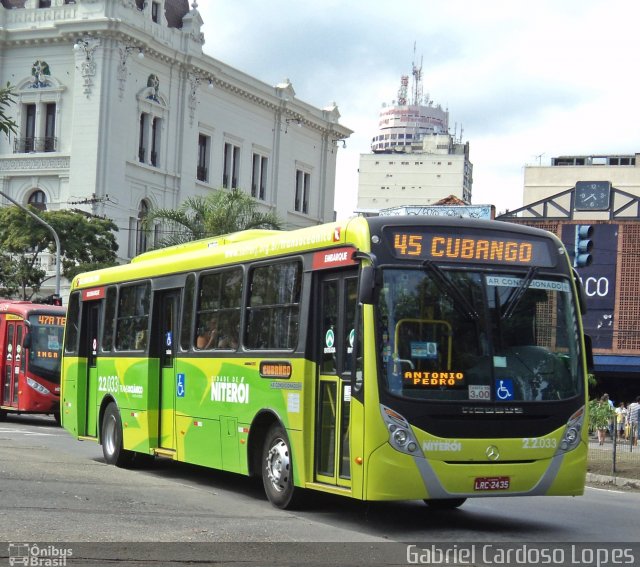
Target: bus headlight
[(37, 387), (572, 432), (401, 437)]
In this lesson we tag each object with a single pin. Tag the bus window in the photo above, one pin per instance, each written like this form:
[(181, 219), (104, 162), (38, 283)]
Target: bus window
[(109, 316), (453, 335), (274, 305), (73, 323), (133, 317), (44, 351), (329, 326), (187, 312), (219, 310)]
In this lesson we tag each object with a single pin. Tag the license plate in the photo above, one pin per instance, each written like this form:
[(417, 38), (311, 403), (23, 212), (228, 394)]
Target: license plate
[(492, 483)]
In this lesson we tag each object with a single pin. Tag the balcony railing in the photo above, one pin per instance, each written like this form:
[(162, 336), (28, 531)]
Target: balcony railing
[(31, 145)]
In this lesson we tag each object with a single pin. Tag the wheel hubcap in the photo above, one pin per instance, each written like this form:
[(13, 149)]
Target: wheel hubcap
[(277, 465), (110, 435)]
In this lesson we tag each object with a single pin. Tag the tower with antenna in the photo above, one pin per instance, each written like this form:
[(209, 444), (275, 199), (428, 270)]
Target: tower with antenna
[(406, 121), (415, 160)]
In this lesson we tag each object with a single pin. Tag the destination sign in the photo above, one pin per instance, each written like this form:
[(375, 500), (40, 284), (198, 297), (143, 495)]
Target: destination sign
[(55, 320), (450, 246), (275, 369)]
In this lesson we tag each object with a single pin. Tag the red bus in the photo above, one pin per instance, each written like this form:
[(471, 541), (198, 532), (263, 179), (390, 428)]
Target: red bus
[(30, 343)]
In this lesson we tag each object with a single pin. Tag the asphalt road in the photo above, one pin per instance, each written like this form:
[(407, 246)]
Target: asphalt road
[(58, 490)]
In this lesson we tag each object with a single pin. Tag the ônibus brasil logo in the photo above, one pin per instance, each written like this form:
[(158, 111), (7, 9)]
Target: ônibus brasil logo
[(32, 554)]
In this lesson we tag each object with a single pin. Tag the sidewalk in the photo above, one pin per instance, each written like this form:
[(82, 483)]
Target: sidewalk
[(602, 480), (600, 464)]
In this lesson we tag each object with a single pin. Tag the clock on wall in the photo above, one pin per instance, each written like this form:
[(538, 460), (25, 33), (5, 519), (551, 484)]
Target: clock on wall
[(592, 195)]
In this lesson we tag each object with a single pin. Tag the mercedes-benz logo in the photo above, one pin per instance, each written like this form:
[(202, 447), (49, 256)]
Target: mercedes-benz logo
[(492, 453)]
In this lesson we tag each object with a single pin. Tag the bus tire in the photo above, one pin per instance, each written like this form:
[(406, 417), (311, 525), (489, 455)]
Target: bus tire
[(3, 415), (111, 438), (445, 503), (277, 469)]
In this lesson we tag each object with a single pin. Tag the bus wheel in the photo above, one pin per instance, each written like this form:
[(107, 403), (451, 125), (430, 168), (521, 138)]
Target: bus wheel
[(3, 415), (277, 469), (58, 418), (111, 438), (445, 503)]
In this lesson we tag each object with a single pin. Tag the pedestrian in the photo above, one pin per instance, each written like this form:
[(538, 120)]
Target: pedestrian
[(632, 417), (602, 424), (621, 419), (611, 425)]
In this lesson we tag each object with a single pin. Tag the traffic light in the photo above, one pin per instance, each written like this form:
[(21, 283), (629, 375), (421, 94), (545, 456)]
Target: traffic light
[(583, 246)]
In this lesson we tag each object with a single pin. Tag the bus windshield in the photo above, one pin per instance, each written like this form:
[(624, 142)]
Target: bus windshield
[(46, 342), (451, 334)]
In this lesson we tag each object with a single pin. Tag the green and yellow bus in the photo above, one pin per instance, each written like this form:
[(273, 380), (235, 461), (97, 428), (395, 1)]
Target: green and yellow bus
[(386, 358)]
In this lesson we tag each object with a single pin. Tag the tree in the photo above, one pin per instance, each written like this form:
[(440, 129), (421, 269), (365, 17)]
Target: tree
[(19, 274), (600, 414), (222, 212), (7, 125), (87, 243)]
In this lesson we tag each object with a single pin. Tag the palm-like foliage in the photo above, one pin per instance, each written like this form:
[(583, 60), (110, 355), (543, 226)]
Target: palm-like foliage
[(221, 212), (7, 125)]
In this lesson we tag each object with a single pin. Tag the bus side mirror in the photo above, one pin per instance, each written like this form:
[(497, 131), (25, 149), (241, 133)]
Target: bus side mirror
[(366, 291), (588, 348), (26, 342)]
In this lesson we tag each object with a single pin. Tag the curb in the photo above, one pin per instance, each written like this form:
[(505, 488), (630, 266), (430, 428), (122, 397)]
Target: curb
[(614, 480)]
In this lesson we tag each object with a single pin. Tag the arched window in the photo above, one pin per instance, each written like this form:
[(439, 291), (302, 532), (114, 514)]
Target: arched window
[(38, 200)]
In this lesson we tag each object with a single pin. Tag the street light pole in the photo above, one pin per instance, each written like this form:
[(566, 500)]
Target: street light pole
[(55, 237)]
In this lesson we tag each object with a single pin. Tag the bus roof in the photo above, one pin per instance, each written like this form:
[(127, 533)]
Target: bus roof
[(258, 244), (26, 308), (206, 243), (228, 249)]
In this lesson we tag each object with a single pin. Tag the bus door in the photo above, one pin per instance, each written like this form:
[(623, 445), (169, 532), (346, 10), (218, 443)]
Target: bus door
[(169, 302), (335, 332), (91, 316), (12, 361)]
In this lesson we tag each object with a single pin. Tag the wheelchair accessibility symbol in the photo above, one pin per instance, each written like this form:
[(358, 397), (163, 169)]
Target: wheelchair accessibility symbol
[(180, 386), (504, 390)]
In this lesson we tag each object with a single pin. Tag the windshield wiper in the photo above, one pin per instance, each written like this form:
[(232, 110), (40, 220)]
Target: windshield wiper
[(460, 302), (517, 293)]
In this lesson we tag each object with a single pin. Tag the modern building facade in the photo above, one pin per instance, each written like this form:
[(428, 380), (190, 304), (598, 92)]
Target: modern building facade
[(593, 204), (121, 112), (622, 172), (415, 161)]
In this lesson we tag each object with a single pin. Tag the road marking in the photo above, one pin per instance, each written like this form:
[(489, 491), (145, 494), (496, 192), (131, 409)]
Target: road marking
[(28, 433), (606, 489)]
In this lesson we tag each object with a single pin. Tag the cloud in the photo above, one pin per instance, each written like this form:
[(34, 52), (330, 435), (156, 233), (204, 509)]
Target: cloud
[(525, 81)]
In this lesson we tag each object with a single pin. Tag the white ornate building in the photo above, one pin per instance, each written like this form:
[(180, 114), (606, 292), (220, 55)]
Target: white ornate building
[(120, 112)]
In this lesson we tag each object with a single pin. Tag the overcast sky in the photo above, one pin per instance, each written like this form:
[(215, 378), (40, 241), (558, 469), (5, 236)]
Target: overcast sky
[(526, 81)]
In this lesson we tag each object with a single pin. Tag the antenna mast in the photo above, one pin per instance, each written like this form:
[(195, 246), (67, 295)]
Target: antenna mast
[(417, 79)]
